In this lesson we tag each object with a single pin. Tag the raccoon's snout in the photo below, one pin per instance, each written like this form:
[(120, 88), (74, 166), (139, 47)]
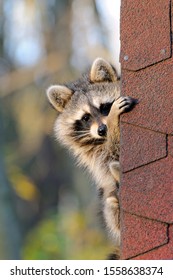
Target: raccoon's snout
[(102, 130)]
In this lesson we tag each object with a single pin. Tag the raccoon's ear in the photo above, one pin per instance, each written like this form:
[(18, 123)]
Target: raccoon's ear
[(102, 71), (58, 96)]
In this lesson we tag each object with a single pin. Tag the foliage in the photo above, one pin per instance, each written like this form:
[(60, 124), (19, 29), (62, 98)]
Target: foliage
[(65, 236)]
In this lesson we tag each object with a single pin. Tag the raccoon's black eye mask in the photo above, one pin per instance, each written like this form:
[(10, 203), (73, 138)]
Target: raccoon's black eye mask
[(83, 124), (105, 108), (86, 117)]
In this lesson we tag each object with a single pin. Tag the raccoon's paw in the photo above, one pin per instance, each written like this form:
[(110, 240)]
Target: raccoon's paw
[(124, 104), (114, 167), (115, 255)]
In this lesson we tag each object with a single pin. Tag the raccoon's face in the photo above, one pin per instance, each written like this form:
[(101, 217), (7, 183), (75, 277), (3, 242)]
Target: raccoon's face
[(83, 113), (88, 122)]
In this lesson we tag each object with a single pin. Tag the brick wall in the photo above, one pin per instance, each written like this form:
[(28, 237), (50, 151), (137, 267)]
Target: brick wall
[(146, 193)]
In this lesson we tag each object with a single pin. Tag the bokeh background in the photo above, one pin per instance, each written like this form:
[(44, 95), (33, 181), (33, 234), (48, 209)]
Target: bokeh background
[(48, 207)]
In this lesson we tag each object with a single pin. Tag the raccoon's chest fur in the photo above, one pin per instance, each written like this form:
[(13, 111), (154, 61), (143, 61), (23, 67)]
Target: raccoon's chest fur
[(96, 160)]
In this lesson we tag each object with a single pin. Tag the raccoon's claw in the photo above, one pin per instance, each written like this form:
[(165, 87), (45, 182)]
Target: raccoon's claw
[(125, 103)]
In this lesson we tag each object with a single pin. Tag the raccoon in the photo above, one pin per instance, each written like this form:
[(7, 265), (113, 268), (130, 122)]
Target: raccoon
[(88, 125)]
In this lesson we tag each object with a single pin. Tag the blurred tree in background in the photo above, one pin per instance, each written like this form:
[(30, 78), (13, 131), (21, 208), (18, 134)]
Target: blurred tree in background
[(47, 210)]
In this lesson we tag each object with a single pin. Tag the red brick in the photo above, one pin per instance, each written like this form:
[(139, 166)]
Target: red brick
[(162, 253), (140, 235), (153, 87), (145, 32), (148, 190), (140, 146)]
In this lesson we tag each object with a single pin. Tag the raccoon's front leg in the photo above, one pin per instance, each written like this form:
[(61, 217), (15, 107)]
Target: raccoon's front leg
[(111, 209), (111, 203), (121, 105), (111, 214)]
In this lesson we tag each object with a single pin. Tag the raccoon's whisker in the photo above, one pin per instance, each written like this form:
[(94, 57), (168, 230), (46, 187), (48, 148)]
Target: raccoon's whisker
[(81, 135), (82, 132)]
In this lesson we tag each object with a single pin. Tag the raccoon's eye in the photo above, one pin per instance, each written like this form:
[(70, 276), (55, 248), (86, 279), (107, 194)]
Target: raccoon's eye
[(86, 117), (105, 108)]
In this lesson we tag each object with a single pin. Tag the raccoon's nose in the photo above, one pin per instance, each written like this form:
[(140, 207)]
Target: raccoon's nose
[(102, 130)]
